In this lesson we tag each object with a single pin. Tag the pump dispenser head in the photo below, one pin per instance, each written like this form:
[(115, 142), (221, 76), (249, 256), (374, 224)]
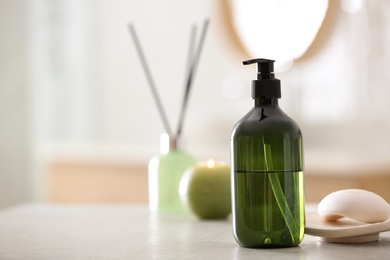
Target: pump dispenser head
[(266, 85)]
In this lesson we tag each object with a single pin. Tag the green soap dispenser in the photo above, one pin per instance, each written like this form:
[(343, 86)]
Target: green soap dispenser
[(267, 169), (164, 175)]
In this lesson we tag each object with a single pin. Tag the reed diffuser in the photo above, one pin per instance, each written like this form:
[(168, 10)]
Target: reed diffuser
[(166, 169)]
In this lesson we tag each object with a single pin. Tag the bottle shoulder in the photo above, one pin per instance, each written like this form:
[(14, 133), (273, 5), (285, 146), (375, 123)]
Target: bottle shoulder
[(266, 119), (173, 156)]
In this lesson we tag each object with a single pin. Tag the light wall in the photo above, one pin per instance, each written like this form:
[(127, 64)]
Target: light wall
[(82, 91), (15, 134)]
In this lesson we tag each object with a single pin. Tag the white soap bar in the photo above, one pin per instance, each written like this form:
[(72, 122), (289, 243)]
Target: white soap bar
[(360, 205)]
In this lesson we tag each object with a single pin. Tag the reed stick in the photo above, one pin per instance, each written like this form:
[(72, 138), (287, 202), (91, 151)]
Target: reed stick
[(150, 79), (191, 74)]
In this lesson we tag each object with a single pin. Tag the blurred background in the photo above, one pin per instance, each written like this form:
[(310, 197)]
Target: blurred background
[(79, 124)]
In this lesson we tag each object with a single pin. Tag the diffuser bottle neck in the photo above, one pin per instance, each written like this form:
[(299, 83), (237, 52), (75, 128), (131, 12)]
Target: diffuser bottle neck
[(168, 143)]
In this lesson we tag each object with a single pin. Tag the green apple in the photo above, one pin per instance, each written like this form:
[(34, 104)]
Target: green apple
[(205, 189)]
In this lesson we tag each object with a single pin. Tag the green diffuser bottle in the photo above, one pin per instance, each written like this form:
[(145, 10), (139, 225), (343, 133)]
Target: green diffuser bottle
[(165, 172), (267, 169)]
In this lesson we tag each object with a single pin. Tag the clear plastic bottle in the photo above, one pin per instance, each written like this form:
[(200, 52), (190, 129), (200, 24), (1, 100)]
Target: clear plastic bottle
[(164, 173), (267, 169)]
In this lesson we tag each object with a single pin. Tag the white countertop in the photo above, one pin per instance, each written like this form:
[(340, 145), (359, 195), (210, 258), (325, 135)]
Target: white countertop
[(53, 231)]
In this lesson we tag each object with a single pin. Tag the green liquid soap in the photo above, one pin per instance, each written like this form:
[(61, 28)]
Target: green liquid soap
[(267, 170), (259, 221)]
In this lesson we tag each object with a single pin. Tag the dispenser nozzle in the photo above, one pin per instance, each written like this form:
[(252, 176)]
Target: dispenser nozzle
[(263, 66), (266, 84)]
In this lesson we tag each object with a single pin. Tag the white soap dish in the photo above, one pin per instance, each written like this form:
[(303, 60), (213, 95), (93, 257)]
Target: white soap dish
[(349, 216), (343, 230)]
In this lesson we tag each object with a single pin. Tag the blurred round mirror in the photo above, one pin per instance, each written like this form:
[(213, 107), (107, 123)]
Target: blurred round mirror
[(277, 29)]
